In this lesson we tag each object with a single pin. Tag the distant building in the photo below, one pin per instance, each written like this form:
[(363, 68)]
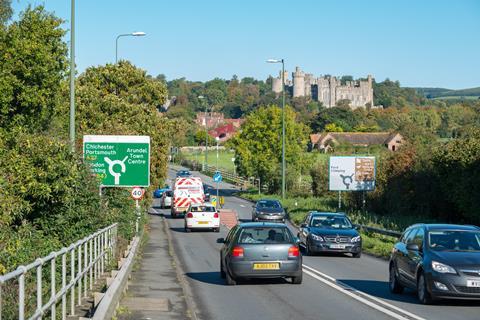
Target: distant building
[(223, 132), (213, 119), (327, 89), (326, 141)]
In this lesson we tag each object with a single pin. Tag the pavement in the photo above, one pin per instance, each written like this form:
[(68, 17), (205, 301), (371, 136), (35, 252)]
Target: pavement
[(155, 290)]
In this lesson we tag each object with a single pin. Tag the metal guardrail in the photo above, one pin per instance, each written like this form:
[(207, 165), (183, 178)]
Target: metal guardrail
[(88, 259), (228, 175), (384, 232)]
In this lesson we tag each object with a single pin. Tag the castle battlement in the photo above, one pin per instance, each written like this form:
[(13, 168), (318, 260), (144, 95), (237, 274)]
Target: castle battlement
[(327, 89)]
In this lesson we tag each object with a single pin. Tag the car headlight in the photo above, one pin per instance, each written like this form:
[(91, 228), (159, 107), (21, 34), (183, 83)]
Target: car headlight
[(442, 268), (356, 239), (317, 238)]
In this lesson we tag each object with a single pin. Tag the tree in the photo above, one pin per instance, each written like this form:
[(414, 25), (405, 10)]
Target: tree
[(341, 117), (33, 63), (332, 127), (121, 100), (258, 147), (5, 11)]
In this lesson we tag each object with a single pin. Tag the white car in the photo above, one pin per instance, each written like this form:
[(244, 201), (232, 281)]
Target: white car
[(202, 216), (166, 199)]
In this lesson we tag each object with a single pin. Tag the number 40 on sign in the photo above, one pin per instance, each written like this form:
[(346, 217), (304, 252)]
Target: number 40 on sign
[(137, 193)]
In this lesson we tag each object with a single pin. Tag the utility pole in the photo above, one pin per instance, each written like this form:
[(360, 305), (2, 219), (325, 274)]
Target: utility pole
[(72, 77)]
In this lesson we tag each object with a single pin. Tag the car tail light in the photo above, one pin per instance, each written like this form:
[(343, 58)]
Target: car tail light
[(215, 215), (237, 252), (293, 251), (189, 215)]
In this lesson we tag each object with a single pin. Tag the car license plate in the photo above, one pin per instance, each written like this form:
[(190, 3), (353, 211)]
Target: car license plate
[(473, 283), (202, 222), (266, 266), (337, 246)]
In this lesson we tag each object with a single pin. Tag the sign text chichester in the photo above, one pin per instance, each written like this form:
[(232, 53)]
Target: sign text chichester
[(118, 161)]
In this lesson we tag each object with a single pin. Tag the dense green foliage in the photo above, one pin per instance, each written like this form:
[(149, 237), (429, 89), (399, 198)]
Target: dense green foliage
[(49, 198), (32, 64), (258, 148)]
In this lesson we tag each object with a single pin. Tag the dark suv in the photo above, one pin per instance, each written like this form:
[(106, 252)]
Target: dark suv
[(329, 232), (438, 260)]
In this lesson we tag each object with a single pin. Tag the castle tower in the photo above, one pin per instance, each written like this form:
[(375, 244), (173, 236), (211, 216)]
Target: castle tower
[(277, 82), (298, 83)]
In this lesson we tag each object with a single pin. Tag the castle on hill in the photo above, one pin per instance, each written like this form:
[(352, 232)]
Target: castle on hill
[(326, 89)]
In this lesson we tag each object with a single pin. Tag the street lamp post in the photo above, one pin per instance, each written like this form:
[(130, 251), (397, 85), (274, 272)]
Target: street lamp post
[(72, 77), (133, 34), (283, 120), (206, 133)]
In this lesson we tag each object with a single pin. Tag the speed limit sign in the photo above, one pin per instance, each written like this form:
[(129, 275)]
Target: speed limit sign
[(137, 193)]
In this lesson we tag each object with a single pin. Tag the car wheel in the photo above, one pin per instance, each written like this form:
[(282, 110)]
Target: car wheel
[(422, 291), (172, 214), (216, 229), (297, 280), (229, 280), (222, 273), (357, 254), (307, 250), (186, 228), (394, 284)]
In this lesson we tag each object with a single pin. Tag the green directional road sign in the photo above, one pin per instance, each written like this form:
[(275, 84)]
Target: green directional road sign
[(118, 161)]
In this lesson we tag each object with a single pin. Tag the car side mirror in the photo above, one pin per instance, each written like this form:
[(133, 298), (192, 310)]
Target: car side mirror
[(303, 225), (297, 240), (413, 247), (220, 240)]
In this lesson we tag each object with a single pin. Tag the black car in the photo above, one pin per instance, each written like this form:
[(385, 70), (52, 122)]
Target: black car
[(260, 250), (437, 260), (268, 210), (329, 232), (184, 173)]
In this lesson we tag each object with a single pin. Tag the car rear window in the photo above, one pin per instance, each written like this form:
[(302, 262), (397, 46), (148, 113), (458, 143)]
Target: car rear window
[(169, 193), (263, 235), (203, 209)]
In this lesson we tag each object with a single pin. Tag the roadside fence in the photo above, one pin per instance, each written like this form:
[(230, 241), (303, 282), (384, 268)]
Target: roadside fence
[(70, 273), (229, 176)]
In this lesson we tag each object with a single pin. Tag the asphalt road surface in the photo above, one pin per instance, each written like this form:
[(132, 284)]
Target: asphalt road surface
[(334, 287)]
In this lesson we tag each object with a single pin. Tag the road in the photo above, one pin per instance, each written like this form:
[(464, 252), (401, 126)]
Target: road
[(334, 287)]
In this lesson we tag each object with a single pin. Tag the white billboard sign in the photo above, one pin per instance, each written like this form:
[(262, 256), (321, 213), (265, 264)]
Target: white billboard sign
[(355, 173)]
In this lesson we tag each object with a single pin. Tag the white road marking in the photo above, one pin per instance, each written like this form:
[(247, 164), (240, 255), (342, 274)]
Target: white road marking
[(354, 293), (242, 205)]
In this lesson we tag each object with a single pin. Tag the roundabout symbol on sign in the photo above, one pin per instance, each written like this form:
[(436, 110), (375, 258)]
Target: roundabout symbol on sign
[(137, 193)]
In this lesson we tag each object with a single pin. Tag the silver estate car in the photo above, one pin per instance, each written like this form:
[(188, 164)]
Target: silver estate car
[(260, 250)]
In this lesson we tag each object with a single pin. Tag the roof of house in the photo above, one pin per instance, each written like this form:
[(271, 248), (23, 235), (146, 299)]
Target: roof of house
[(228, 128), (355, 138)]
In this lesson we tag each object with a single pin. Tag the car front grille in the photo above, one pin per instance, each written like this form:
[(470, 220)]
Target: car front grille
[(471, 273), (464, 289), (337, 239)]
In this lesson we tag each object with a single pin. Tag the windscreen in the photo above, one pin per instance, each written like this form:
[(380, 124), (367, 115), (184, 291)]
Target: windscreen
[(264, 235), (268, 204), (202, 209), (331, 222), (454, 240)]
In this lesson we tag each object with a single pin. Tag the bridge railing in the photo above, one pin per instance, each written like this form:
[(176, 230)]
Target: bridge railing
[(72, 271)]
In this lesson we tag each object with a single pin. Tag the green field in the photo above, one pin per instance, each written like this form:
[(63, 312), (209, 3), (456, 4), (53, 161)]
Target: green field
[(224, 158)]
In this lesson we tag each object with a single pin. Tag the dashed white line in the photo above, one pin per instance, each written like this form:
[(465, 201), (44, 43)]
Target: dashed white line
[(379, 304)]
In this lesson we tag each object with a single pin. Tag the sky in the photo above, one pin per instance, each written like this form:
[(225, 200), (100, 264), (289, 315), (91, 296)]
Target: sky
[(428, 43)]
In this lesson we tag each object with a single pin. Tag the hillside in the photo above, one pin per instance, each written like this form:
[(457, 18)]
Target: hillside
[(442, 93)]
